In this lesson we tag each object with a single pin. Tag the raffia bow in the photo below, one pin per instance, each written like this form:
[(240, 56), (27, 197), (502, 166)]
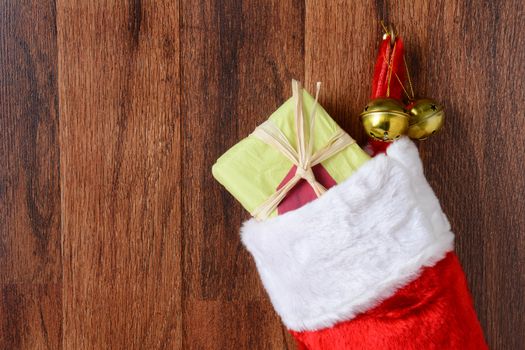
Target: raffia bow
[(303, 158)]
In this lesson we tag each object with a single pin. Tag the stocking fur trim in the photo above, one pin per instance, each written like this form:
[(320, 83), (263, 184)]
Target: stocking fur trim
[(345, 252)]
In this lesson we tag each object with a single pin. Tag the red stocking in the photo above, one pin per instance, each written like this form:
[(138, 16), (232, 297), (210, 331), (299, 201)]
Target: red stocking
[(368, 265)]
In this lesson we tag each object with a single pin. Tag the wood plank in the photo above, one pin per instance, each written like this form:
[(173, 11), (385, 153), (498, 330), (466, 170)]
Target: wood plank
[(238, 59), (30, 207), (462, 54), (119, 115), (30, 258)]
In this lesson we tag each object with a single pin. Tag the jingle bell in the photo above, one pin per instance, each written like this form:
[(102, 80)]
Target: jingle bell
[(426, 118), (385, 119)]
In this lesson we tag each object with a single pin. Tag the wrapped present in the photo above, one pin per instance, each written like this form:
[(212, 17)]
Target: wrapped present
[(290, 159)]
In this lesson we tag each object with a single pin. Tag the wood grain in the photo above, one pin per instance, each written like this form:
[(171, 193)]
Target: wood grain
[(30, 260), (31, 316), (120, 120), (113, 234)]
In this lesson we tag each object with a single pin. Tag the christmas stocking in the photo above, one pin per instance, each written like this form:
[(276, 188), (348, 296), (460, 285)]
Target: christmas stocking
[(369, 264)]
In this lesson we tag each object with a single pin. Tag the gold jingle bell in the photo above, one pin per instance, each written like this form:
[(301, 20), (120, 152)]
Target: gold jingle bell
[(385, 119), (426, 118)]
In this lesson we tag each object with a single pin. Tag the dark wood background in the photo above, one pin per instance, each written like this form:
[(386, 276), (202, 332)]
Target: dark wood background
[(113, 234)]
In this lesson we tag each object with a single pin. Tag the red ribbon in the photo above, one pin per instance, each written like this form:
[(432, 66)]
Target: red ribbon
[(389, 63)]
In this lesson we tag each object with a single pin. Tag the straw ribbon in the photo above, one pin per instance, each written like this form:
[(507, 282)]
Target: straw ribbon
[(303, 158)]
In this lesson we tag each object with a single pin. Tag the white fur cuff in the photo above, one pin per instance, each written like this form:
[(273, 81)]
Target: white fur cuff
[(345, 252)]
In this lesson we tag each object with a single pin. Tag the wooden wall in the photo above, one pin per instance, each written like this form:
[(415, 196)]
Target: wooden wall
[(113, 234)]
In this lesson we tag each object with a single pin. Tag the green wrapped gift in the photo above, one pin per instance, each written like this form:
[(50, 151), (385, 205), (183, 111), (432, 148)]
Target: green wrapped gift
[(253, 169)]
